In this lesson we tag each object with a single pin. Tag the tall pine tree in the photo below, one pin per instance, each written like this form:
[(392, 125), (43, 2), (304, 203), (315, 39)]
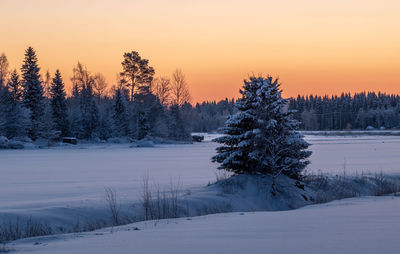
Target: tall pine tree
[(136, 71), (59, 105), (33, 98), (262, 138)]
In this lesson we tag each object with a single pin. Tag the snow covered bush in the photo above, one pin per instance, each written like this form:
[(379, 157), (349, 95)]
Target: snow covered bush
[(261, 138)]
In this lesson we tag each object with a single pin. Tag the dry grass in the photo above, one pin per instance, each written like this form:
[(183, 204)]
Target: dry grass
[(160, 203), (113, 205), (13, 230)]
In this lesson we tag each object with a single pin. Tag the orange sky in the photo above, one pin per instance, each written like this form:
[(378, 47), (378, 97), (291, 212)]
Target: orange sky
[(314, 46)]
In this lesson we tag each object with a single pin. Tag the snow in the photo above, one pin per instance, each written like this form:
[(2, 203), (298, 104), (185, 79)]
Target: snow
[(360, 225), (33, 180), (60, 184), (355, 154)]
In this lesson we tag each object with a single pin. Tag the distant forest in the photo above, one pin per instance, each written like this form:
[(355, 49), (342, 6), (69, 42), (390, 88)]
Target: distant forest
[(360, 111)]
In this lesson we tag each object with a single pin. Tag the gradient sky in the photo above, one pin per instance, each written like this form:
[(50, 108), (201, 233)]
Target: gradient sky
[(314, 46)]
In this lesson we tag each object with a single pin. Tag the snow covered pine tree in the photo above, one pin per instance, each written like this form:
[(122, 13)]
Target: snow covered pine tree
[(33, 98), (59, 105), (262, 138)]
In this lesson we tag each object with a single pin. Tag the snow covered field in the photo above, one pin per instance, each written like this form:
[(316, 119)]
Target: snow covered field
[(48, 181), (362, 225)]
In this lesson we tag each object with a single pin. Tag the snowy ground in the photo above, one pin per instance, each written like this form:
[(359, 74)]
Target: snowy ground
[(66, 182), (362, 225), (355, 154)]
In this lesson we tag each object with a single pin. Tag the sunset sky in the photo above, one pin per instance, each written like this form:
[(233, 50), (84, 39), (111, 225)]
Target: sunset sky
[(314, 46)]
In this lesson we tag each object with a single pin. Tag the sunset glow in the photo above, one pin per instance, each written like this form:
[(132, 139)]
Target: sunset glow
[(315, 47)]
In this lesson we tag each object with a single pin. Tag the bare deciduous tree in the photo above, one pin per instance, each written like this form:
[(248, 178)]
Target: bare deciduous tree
[(100, 85), (46, 84), (113, 204), (179, 89), (81, 79), (3, 69), (161, 87)]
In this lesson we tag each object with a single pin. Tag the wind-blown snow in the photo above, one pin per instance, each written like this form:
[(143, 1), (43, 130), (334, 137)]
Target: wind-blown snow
[(362, 225)]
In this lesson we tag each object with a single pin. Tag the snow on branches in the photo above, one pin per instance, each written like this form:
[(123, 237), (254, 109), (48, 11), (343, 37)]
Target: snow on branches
[(262, 138)]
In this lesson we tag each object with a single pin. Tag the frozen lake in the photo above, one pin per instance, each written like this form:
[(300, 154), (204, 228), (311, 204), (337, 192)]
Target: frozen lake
[(45, 178), (370, 154)]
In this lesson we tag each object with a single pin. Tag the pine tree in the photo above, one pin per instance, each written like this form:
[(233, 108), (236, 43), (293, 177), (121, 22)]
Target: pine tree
[(120, 116), (261, 138), (59, 105), (33, 98), (136, 71)]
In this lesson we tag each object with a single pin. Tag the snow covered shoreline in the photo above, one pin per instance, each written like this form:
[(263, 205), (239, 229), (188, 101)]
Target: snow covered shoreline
[(241, 193)]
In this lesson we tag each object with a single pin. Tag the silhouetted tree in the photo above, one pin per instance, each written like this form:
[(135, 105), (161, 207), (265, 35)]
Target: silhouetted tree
[(161, 87), (59, 105), (14, 86), (3, 69), (120, 115), (179, 90), (136, 71), (33, 92)]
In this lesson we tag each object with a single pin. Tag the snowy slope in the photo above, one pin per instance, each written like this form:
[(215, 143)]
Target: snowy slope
[(361, 225)]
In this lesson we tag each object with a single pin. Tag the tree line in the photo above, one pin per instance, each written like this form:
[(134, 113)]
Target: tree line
[(360, 111), (139, 106)]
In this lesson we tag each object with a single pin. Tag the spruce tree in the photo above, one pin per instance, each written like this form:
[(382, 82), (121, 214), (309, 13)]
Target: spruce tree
[(89, 120), (147, 109), (261, 138), (14, 86), (33, 98), (59, 105), (13, 117), (120, 116), (177, 126), (143, 127)]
